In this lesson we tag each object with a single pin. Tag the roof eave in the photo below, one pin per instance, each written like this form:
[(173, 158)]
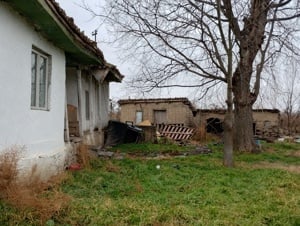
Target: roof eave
[(114, 74)]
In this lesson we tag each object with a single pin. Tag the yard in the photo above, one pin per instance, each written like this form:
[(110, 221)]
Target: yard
[(263, 189)]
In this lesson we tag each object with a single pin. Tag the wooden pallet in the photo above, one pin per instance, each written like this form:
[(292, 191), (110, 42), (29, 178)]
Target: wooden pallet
[(176, 133), (74, 128)]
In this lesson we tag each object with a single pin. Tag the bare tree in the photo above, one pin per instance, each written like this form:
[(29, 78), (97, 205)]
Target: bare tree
[(208, 42), (287, 94)]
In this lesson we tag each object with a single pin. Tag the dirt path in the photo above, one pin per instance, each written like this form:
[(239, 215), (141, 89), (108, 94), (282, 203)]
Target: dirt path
[(270, 165)]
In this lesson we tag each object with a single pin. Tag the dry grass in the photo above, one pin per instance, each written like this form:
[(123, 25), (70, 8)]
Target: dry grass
[(83, 156), (42, 199), (110, 167), (203, 137), (292, 168), (296, 154), (8, 169), (270, 165)]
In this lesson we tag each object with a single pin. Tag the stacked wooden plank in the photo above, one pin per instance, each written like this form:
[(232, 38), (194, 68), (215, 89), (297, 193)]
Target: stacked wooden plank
[(73, 121), (74, 128)]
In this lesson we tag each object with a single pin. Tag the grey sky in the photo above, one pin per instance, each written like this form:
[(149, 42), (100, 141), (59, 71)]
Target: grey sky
[(84, 20)]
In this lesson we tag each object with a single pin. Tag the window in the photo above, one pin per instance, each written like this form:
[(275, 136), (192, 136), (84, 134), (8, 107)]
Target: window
[(40, 80), (138, 117), (160, 116), (87, 105), (267, 125)]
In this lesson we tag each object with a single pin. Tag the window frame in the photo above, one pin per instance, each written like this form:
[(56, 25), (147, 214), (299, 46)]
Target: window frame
[(38, 77), (157, 120)]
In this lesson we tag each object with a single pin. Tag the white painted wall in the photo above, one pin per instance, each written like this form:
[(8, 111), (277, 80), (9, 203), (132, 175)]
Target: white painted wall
[(42, 132)]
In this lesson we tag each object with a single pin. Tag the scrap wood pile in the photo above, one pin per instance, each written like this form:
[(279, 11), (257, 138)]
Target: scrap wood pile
[(118, 132)]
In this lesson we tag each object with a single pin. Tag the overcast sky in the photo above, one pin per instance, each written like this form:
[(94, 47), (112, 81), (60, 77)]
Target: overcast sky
[(84, 20)]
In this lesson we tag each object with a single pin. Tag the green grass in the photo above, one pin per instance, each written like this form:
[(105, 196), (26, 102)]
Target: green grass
[(284, 153), (192, 190), (149, 148)]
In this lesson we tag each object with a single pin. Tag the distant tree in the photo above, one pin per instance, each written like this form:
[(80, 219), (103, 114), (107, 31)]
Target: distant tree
[(114, 111), (208, 42), (291, 98)]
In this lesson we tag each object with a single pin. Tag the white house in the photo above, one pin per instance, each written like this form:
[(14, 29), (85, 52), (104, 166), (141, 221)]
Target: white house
[(47, 67)]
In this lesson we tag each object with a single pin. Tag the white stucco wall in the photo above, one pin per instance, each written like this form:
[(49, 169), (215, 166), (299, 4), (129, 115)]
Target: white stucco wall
[(99, 98), (41, 132), (104, 108)]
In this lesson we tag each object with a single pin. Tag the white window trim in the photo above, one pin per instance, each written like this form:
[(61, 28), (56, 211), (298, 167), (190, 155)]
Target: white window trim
[(48, 81)]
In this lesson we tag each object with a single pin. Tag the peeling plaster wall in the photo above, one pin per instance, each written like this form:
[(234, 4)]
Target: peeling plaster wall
[(40, 132), (176, 112), (99, 104)]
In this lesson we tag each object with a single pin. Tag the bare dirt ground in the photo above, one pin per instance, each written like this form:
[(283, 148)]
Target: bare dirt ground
[(270, 165)]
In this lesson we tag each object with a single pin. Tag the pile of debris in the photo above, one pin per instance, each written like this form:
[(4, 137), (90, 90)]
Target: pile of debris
[(198, 150), (119, 133)]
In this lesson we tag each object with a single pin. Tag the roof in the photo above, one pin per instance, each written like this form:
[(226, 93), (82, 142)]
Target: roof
[(158, 100), (267, 110), (113, 73), (186, 102), (223, 111), (52, 22)]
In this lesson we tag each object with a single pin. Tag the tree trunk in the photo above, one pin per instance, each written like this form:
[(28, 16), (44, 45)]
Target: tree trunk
[(228, 140), (243, 129), (228, 120), (251, 39), (243, 100)]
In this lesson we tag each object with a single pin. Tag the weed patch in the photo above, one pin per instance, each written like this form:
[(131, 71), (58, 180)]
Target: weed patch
[(30, 200), (8, 170)]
